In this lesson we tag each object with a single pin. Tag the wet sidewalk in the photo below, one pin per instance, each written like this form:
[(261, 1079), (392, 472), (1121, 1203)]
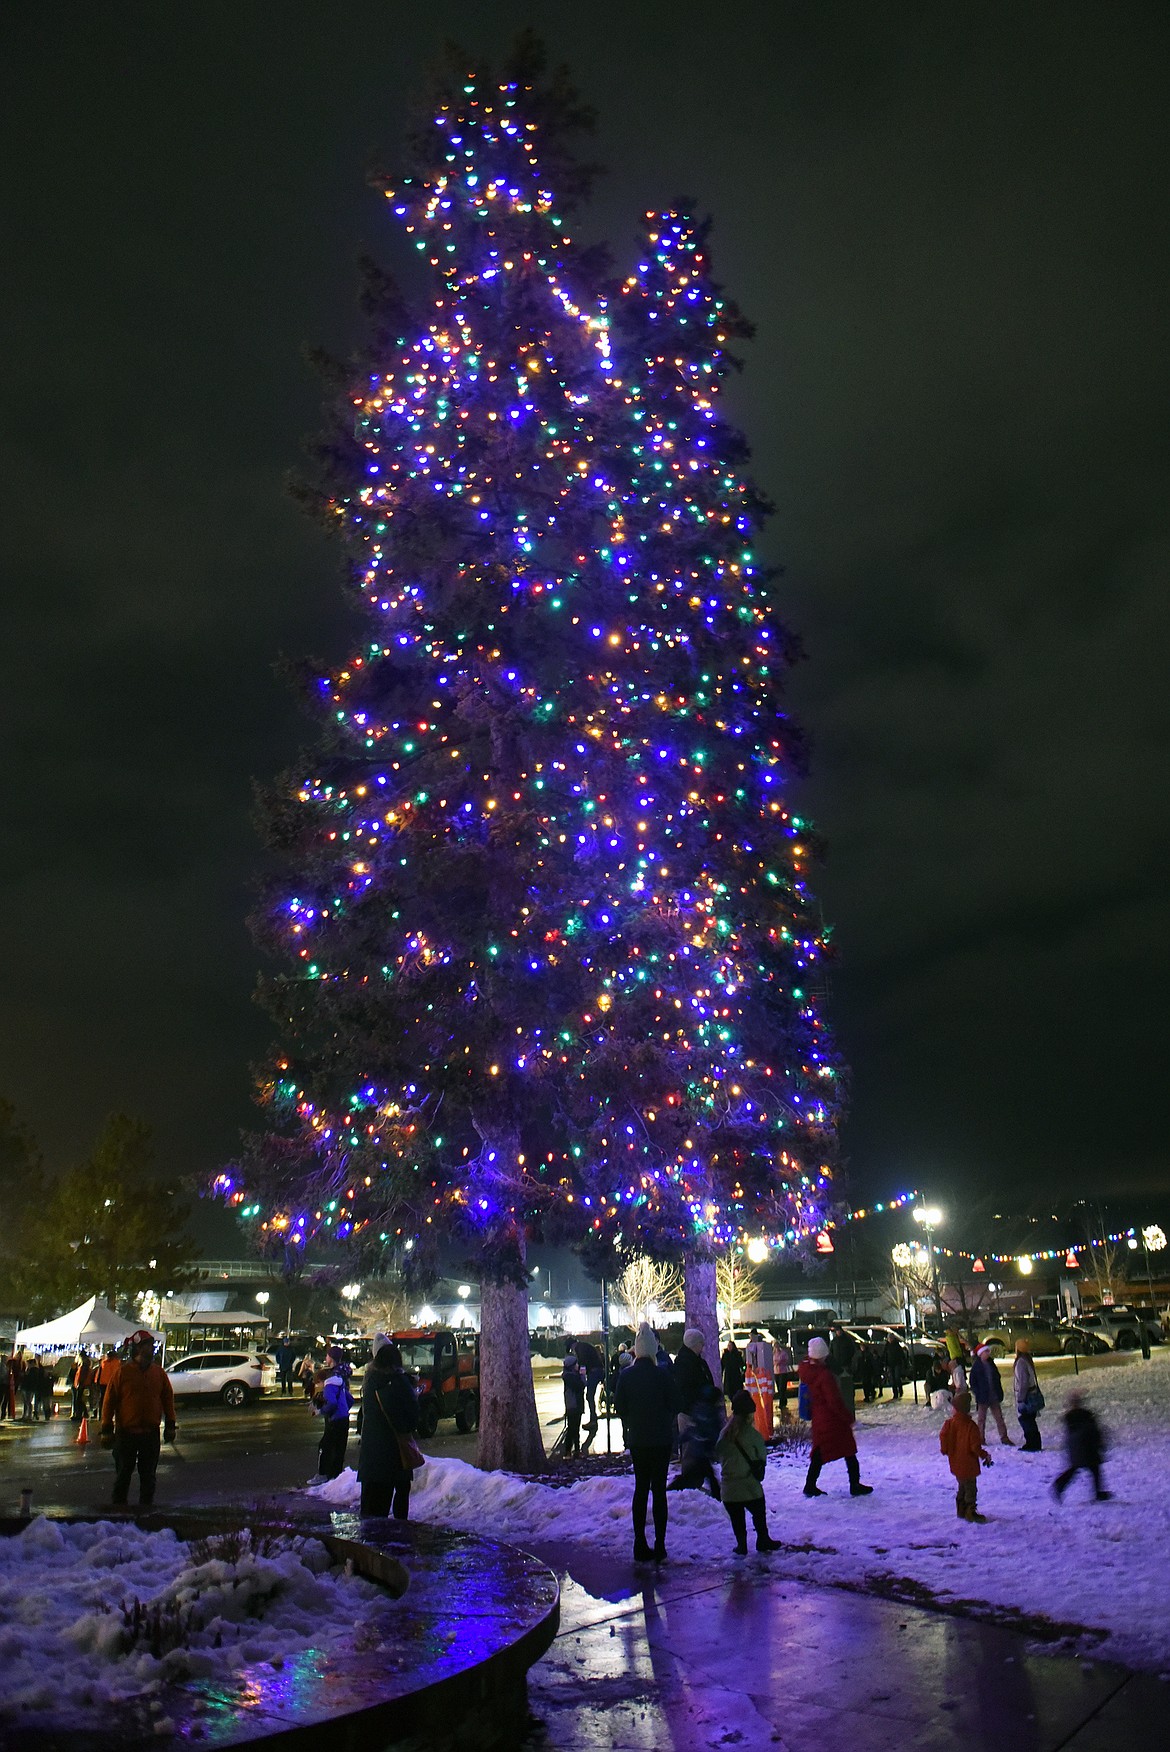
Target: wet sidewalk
[(739, 1657)]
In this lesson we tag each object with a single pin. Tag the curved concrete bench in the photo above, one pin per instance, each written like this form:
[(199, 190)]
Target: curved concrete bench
[(449, 1656)]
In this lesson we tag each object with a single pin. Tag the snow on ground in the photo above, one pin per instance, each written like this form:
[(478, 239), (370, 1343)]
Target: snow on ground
[(62, 1590), (1103, 1566)]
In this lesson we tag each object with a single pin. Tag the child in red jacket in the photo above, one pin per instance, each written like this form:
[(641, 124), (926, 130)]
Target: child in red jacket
[(961, 1442)]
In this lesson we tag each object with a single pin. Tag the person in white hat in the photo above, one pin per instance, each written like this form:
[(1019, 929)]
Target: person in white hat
[(832, 1426)]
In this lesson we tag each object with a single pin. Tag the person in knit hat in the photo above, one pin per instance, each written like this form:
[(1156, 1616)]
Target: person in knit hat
[(832, 1427), (743, 1454), (987, 1389), (960, 1441), (646, 1402)]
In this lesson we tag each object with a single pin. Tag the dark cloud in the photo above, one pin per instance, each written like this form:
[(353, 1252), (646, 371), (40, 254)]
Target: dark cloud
[(949, 227)]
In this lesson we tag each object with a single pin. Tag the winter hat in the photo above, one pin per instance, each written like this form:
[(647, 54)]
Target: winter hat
[(963, 1401), (694, 1340), (818, 1348), (743, 1405), (381, 1340), (646, 1342), (983, 1351)]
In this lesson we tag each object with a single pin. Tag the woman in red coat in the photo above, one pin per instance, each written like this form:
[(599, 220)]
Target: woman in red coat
[(832, 1427)]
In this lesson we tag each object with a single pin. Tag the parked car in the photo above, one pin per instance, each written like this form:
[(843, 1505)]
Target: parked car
[(1118, 1327), (1081, 1340), (1044, 1335), (235, 1377)]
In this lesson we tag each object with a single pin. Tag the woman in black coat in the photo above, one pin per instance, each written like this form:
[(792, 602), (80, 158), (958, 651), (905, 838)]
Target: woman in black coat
[(389, 1410)]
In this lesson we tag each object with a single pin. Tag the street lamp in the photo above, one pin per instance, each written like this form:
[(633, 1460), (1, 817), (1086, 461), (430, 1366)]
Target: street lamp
[(930, 1217)]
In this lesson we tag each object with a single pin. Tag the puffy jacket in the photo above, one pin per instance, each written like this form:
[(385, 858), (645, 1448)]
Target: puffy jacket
[(1023, 1377), (832, 1431), (986, 1386), (336, 1400), (740, 1442), (647, 1403), (138, 1400), (959, 1441)]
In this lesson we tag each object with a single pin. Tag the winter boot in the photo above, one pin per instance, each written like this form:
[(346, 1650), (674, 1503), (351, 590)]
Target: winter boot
[(812, 1490), (659, 1552), (642, 1552), (765, 1542), (860, 1489)]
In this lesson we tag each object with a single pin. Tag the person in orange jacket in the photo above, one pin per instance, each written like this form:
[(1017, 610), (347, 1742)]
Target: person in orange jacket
[(103, 1375), (137, 1400), (962, 1444)]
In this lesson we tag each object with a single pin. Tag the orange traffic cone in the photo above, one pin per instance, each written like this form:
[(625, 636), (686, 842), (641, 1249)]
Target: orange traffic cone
[(83, 1434)]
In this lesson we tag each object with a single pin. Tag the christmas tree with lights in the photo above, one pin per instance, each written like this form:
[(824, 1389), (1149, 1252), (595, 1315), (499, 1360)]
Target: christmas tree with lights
[(442, 833), (713, 1093), (546, 965)]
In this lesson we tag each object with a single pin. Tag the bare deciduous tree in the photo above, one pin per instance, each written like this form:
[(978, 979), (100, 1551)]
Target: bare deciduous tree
[(648, 1284), (736, 1284), (384, 1307)]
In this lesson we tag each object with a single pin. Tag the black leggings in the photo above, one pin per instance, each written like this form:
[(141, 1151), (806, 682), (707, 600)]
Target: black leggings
[(651, 1466), (739, 1512)]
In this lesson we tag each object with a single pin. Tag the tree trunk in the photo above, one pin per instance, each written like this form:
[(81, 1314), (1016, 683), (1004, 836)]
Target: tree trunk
[(509, 1430), (701, 1310)]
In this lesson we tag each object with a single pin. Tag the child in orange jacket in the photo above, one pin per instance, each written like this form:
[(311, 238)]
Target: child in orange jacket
[(961, 1442)]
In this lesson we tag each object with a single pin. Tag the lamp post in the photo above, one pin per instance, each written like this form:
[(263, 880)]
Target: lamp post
[(930, 1217)]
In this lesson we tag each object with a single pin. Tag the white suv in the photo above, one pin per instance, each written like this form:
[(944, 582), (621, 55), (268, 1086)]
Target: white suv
[(233, 1376)]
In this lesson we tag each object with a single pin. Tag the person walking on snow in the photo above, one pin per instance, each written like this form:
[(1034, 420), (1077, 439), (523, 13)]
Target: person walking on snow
[(987, 1389), (136, 1401), (742, 1456), (1029, 1399), (961, 1442), (1084, 1442), (646, 1404), (832, 1425)]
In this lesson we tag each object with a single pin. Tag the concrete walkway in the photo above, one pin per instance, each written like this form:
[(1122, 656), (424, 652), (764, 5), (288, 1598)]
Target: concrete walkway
[(733, 1656)]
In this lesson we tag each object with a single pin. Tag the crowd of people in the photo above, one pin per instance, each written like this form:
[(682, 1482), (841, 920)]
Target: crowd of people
[(674, 1409)]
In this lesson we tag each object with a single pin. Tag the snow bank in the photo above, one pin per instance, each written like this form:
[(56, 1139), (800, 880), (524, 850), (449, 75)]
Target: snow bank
[(64, 1644), (1102, 1566)]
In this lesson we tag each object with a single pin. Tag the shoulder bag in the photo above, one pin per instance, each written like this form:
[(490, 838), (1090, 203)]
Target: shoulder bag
[(757, 1468), (410, 1455)]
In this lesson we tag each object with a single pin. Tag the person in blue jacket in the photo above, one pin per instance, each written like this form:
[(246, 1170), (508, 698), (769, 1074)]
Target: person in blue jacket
[(334, 1402), (987, 1391)]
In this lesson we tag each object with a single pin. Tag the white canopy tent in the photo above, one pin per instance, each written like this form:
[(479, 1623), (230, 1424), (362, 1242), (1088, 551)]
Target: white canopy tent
[(90, 1325)]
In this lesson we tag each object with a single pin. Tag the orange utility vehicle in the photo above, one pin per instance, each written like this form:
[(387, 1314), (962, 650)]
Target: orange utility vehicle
[(445, 1365)]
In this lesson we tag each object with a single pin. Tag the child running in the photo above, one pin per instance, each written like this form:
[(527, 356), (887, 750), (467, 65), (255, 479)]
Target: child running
[(962, 1444), (740, 1449)]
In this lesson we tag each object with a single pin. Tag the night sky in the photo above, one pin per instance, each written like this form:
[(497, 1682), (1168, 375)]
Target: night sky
[(949, 224)]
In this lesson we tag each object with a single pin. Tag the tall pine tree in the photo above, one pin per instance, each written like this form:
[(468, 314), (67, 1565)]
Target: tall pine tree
[(440, 835), (546, 955), (714, 1093)]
